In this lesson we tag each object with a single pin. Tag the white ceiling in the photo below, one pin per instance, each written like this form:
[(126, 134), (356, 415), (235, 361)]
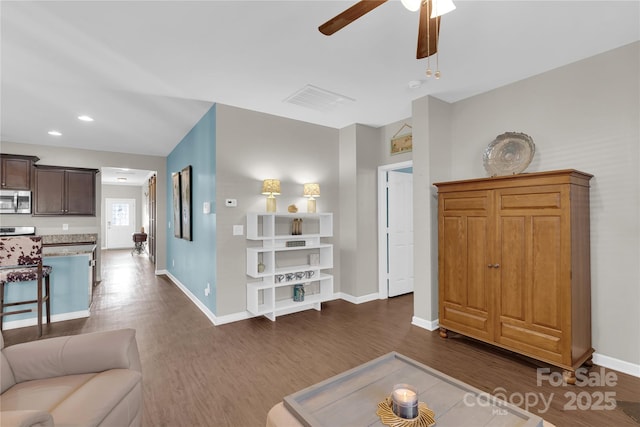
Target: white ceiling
[(147, 71)]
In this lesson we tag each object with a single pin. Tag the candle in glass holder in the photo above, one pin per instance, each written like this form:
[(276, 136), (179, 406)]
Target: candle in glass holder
[(405, 401)]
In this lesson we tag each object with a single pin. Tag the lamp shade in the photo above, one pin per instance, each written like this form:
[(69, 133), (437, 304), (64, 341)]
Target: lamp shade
[(412, 5), (440, 7), (312, 190), (271, 186)]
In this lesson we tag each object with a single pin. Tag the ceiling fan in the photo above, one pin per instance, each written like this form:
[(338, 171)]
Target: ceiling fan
[(428, 26)]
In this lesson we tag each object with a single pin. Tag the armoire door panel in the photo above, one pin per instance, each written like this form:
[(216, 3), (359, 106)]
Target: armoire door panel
[(464, 203), (512, 288), (477, 292), (454, 268), (546, 272), (543, 200)]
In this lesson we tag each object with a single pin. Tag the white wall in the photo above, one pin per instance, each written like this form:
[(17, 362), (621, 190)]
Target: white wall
[(583, 116)]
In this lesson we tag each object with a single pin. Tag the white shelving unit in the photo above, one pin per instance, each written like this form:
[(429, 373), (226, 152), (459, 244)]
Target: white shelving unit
[(285, 265)]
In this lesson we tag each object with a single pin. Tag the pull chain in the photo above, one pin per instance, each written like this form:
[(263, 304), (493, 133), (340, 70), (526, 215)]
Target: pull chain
[(429, 72)]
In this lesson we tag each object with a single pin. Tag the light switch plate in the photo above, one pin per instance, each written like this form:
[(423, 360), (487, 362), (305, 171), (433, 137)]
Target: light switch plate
[(206, 207), (231, 203), (238, 230)]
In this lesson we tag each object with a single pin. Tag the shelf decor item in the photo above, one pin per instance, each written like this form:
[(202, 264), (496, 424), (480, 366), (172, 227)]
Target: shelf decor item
[(424, 418), (298, 293), (405, 401), (296, 226), (311, 191), (314, 259), (271, 188)]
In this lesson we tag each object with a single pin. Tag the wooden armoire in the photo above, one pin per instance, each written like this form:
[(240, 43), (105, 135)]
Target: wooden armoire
[(514, 264)]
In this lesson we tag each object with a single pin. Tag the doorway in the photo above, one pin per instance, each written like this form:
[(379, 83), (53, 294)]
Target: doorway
[(120, 222), (395, 229)]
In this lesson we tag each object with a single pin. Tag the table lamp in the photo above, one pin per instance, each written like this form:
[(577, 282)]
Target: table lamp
[(271, 188), (311, 191)]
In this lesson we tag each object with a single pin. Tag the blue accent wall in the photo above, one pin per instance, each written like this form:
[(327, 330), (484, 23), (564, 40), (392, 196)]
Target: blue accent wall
[(193, 262), (69, 288)]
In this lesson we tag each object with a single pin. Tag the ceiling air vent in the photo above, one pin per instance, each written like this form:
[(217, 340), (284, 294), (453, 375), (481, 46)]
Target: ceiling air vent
[(318, 99)]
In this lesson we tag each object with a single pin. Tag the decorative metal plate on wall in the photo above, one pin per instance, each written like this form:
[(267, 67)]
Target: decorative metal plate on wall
[(510, 153)]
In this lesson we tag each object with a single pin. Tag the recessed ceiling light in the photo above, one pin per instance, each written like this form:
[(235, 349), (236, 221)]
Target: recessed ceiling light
[(54, 133), (122, 179), (415, 84), (85, 118)]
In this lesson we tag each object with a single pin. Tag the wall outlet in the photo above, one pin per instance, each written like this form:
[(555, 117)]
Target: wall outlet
[(65, 226), (207, 290), (238, 230)]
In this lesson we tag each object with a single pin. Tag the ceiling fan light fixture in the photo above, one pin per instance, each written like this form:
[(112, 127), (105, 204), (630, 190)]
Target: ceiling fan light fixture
[(412, 5), (440, 7)]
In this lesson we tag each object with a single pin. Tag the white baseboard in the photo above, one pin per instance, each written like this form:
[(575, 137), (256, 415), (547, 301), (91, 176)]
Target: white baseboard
[(216, 320), (356, 300), (429, 325), (233, 317), (617, 364), (32, 321), (203, 308)]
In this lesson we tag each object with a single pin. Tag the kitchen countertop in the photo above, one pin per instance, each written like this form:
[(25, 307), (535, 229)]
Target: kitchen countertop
[(68, 239), (68, 250)]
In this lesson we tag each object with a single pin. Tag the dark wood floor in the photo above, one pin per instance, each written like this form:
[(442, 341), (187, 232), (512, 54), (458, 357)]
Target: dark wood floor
[(197, 374)]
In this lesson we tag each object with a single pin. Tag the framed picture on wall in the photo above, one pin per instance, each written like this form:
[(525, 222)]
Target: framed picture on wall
[(185, 189), (402, 143), (177, 198)]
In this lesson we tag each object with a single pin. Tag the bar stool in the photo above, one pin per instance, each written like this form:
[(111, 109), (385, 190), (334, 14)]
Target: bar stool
[(21, 261)]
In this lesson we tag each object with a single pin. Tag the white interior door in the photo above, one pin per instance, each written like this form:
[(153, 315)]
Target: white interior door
[(400, 232), (120, 215)]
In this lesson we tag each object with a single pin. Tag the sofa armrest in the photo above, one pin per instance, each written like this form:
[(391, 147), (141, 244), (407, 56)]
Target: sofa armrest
[(26, 418), (76, 354)]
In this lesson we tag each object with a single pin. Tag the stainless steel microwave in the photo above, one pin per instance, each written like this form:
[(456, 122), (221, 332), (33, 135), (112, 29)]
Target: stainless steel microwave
[(15, 202)]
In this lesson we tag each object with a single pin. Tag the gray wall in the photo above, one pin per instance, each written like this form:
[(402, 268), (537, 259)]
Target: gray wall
[(360, 157), (583, 116), (250, 147)]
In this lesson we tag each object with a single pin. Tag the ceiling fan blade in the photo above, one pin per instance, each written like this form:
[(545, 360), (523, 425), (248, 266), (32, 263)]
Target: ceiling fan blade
[(348, 16), (428, 29)]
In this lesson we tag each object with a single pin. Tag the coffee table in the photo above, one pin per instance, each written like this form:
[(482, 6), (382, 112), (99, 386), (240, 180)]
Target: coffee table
[(351, 398)]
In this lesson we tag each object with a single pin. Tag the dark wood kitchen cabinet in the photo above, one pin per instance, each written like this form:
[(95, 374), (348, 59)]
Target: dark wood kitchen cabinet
[(15, 171), (64, 191)]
